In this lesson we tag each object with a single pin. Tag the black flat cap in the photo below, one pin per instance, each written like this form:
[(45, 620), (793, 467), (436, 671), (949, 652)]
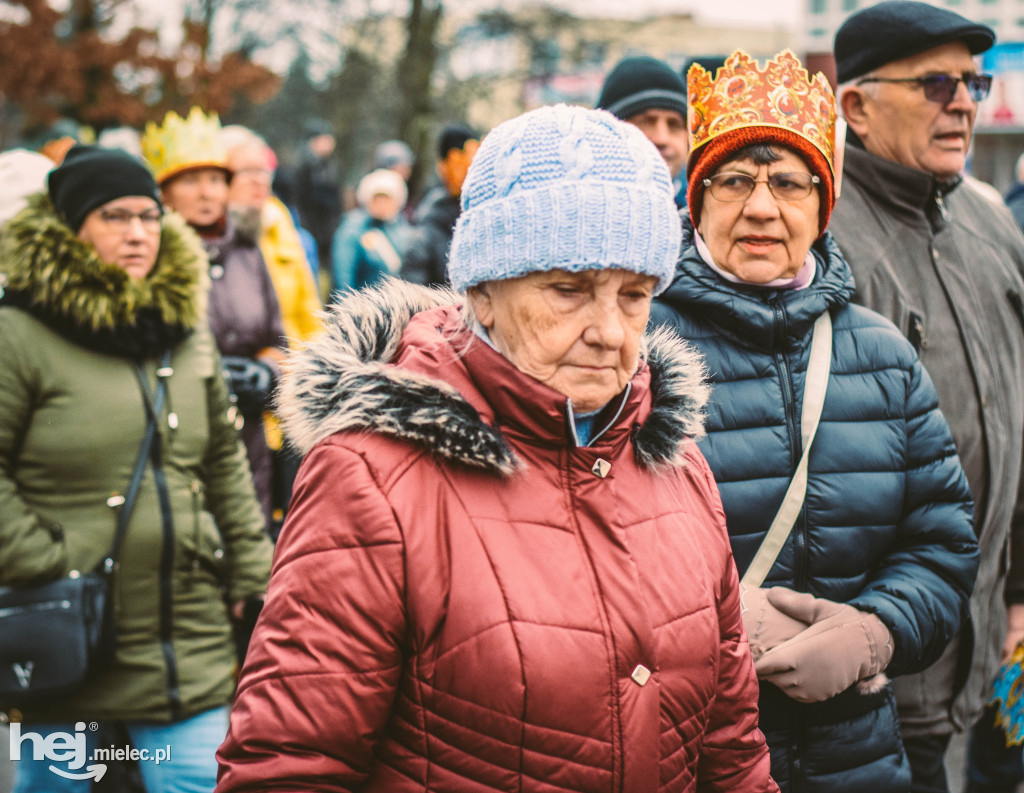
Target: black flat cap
[(896, 29)]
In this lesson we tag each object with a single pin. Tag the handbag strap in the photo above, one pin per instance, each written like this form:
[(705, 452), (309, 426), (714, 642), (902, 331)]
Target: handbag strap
[(816, 383), (154, 404)]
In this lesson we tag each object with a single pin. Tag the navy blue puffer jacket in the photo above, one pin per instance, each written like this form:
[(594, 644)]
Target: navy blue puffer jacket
[(887, 521)]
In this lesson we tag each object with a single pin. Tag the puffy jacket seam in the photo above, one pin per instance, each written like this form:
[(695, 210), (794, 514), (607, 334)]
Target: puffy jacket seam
[(505, 601), (561, 758), (443, 718), (355, 547), (521, 773), (680, 617)]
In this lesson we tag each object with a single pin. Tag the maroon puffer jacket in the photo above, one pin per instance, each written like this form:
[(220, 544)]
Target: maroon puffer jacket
[(462, 602)]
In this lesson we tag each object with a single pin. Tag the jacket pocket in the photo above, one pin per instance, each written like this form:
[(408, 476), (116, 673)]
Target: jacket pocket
[(201, 543)]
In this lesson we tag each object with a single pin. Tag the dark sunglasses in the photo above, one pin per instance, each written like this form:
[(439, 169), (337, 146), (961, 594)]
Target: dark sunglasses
[(941, 88)]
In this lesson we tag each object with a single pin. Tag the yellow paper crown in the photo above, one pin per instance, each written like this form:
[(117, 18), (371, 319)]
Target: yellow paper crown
[(742, 95), (183, 144)]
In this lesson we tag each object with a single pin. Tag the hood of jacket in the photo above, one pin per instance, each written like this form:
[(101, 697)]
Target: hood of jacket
[(756, 316), (46, 270), (347, 379)]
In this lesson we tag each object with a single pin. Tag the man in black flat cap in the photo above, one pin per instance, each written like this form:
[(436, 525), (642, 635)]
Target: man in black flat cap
[(944, 264), (650, 95)]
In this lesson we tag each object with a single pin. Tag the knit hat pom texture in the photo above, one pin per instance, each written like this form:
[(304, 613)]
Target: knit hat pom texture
[(565, 188)]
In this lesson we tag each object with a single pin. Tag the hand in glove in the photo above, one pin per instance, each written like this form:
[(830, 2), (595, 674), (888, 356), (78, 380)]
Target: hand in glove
[(251, 381), (766, 625), (841, 646)]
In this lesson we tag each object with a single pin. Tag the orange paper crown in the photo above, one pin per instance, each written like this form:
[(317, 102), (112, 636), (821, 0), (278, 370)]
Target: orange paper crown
[(742, 95)]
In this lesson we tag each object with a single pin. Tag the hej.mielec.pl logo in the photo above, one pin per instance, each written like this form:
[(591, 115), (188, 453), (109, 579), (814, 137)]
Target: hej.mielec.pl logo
[(70, 748)]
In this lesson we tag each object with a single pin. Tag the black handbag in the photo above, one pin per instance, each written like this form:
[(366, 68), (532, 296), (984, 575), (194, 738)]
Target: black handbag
[(55, 635)]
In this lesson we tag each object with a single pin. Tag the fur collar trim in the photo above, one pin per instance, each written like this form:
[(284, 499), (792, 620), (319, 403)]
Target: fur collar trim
[(343, 380), (46, 270)]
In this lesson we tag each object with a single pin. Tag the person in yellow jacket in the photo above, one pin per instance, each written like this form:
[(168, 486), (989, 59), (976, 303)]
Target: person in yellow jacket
[(267, 221)]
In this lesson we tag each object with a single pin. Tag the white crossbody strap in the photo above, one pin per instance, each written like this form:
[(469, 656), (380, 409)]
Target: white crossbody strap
[(818, 368)]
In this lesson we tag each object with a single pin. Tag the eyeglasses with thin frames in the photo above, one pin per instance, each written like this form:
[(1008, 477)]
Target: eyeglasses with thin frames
[(941, 88), (731, 186), (121, 219)]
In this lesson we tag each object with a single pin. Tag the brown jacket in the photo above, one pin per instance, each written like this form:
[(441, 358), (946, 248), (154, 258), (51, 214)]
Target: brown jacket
[(944, 264)]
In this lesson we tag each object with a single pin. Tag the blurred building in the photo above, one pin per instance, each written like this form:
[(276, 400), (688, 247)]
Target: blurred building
[(508, 62)]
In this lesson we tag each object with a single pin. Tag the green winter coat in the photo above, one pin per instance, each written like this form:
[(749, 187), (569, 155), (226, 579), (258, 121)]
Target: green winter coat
[(71, 421)]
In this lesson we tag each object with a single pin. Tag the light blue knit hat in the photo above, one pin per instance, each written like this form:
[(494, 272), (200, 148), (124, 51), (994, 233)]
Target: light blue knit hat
[(565, 188)]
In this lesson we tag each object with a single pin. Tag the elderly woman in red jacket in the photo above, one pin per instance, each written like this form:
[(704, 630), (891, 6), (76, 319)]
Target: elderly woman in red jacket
[(506, 565)]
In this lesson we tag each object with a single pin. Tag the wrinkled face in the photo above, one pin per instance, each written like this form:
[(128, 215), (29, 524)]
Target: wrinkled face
[(200, 195), (666, 129), (251, 176), (125, 232), (899, 124), (762, 238), (578, 333)]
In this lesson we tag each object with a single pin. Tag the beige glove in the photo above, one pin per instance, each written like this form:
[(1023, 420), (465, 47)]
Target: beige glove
[(766, 625), (841, 646)]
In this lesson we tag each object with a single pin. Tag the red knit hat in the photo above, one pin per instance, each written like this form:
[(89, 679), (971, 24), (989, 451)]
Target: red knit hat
[(719, 150)]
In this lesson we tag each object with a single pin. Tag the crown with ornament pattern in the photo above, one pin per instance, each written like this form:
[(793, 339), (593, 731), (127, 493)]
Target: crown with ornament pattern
[(183, 144), (743, 95)]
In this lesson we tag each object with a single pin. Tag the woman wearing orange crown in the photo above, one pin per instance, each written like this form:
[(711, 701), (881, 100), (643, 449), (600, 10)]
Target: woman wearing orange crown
[(189, 160), (848, 511)]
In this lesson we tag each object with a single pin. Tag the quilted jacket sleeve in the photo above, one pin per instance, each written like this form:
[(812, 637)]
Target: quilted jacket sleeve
[(324, 661), (921, 590), (31, 550), (734, 757)]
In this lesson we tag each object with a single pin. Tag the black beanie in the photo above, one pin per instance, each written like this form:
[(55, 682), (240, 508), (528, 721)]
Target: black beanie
[(642, 83), (91, 176), (897, 29), (454, 136)]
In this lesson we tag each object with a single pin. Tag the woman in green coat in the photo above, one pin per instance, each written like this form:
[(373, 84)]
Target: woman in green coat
[(95, 279)]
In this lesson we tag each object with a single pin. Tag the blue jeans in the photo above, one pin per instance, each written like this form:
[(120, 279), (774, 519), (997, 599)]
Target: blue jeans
[(185, 750)]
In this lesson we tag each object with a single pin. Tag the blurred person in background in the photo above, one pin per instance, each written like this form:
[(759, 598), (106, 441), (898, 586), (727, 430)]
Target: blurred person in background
[(100, 295), (478, 586), (427, 258), (261, 216), (316, 187), (1015, 195), (190, 163), (22, 173), (650, 95), (373, 238)]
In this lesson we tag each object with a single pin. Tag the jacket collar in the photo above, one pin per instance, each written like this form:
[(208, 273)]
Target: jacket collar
[(755, 316), (46, 270), (394, 361), (903, 190)]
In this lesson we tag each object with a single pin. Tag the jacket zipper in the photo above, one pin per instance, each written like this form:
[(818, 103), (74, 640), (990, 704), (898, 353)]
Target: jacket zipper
[(194, 487), (799, 533)]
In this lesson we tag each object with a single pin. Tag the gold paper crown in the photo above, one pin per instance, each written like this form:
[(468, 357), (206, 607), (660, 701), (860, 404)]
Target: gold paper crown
[(742, 95), (183, 144)]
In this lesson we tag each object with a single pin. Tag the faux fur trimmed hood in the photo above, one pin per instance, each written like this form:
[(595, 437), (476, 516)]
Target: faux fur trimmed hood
[(46, 270), (345, 379)]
